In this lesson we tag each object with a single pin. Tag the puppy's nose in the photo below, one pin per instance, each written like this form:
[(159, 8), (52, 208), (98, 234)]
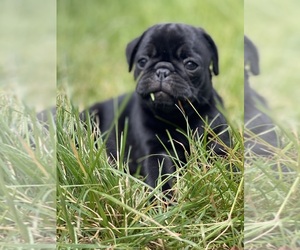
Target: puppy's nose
[(162, 73)]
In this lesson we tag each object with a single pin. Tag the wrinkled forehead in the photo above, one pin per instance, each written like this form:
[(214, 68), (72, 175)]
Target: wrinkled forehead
[(173, 39)]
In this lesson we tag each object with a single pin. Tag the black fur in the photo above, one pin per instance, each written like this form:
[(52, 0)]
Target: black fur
[(173, 66), (262, 136)]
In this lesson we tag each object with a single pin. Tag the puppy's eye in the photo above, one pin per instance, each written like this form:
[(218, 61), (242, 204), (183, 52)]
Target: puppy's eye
[(190, 65), (142, 62)]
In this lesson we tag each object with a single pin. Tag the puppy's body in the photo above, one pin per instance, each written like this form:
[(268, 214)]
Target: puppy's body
[(256, 120), (145, 131), (174, 88)]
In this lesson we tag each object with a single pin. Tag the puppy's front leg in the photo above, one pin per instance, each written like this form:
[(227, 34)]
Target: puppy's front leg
[(157, 167)]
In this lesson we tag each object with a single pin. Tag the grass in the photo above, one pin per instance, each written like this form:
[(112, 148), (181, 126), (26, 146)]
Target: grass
[(271, 198), (27, 178), (101, 206)]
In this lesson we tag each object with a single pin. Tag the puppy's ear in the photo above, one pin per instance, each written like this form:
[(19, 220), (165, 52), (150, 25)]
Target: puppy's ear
[(131, 50), (251, 57), (214, 52)]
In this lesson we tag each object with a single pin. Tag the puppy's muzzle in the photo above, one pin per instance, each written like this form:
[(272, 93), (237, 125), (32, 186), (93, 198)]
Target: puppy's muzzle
[(163, 70), (162, 74)]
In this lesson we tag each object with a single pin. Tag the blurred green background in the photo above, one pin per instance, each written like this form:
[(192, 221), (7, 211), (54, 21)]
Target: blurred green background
[(92, 37), (274, 28), (28, 51)]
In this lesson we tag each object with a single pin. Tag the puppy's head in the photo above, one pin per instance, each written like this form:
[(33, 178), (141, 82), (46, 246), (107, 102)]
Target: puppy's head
[(173, 63), (251, 57)]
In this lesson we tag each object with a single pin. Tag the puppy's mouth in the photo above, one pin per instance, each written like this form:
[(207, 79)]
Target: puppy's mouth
[(161, 97)]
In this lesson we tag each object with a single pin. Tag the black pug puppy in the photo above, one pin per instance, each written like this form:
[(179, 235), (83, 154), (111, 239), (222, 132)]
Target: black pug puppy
[(173, 65), (257, 122)]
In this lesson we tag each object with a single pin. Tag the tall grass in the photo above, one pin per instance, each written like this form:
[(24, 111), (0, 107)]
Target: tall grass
[(27, 178), (272, 197), (100, 205)]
